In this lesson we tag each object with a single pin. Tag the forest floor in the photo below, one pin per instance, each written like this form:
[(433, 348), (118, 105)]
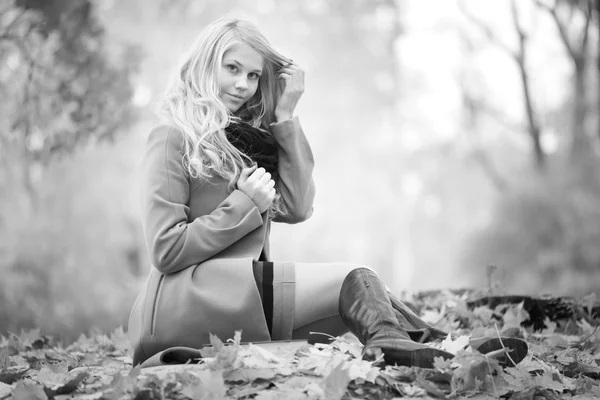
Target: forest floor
[(563, 361)]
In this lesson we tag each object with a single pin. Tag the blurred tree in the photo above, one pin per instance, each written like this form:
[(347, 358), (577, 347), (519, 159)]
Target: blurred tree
[(520, 57), (474, 109), (572, 19), (545, 231), (61, 87)]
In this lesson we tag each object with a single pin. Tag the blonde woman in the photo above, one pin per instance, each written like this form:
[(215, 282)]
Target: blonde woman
[(230, 159)]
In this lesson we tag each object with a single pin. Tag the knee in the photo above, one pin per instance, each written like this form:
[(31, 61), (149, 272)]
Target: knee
[(356, 268)]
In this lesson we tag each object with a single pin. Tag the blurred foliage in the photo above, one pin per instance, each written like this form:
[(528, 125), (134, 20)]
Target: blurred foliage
[(62, 92), (544, 232)]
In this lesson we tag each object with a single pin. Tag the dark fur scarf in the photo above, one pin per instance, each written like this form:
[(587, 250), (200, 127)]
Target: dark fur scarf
[(260, 146)]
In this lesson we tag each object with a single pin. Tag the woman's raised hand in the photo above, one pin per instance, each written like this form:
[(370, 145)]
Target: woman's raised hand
[(292, 78), (257, 184)]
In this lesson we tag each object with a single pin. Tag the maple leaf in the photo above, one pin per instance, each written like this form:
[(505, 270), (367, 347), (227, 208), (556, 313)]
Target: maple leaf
[(428, 386), (442, 364), (29, 337), (336, 383), (225, 356), (52, 375), (12, 374), (518, 378), (484, 314), (28, 391), (361, 369), (4, 354), (4, 390), (514, 316), (206, 385), (589, 301), (408, 390), (548, 380), (249, 374), (454, 346), (254, 356), (120, 340), (472, 372), (550, 326), (346, 347)]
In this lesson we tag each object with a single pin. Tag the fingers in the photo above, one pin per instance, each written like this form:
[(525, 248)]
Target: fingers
[(256, 175), (270, 185), (265, 178), (247, 171)]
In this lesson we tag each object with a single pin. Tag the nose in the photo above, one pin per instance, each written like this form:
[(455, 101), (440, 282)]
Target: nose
[(241, 83)]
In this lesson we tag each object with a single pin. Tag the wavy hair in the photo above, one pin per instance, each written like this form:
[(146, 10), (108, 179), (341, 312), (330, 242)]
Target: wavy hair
[(192, 103)]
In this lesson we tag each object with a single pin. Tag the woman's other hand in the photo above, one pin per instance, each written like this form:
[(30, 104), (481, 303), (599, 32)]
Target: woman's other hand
[(257, 184), (292, 78)]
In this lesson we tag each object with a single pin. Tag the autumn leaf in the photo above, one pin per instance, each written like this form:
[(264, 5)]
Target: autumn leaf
[(514, 316), (454, 346), (249, 374), (120, 340), (12, 374), (208, 385), (428, 386), (336, 383), (4, 390), (28, 391), (224, 356), (54, 375)]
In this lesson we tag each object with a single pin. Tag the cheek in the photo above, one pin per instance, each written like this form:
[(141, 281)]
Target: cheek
[(254, 87)]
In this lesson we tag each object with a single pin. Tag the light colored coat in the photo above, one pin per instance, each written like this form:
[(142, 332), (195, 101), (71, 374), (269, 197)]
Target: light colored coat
[(202, 241)]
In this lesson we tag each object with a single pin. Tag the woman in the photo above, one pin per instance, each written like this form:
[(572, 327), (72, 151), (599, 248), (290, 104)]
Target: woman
[(230, 159)]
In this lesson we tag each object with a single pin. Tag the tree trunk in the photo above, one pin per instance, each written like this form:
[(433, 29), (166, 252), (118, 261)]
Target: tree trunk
[(598, 64), (580, 145), (534, 128)]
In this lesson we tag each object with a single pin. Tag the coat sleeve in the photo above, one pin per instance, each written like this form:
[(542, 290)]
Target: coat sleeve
[(174, 243), (296, 164)]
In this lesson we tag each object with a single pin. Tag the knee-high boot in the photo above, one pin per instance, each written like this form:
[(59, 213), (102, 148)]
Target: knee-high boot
[(421, 331), (366, 310)]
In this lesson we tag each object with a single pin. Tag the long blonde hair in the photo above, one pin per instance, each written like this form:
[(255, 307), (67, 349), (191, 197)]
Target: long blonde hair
[(192, 102)]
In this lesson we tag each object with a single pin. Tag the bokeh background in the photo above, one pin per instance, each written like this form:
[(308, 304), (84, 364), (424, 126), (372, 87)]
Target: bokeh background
[(449, 136)]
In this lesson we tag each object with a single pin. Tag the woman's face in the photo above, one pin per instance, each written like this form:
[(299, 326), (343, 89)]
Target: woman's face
[(240, 72)]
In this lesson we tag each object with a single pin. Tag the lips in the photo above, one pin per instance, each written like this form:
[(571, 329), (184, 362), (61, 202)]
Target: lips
[(236, 97)]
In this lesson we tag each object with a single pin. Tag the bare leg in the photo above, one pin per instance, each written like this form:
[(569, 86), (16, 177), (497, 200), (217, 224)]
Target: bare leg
[(317, 298)]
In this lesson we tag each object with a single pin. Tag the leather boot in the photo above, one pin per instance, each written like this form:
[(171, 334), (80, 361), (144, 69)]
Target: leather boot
[(420, 331), (366, 310)]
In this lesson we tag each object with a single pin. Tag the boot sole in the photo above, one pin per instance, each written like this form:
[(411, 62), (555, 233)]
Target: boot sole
[(422, 358), (518, 347)]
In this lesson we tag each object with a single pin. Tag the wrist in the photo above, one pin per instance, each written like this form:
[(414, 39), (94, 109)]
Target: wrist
[(282, 116)]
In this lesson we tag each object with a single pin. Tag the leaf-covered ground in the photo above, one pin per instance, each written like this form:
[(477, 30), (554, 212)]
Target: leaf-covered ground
[(563, 362)]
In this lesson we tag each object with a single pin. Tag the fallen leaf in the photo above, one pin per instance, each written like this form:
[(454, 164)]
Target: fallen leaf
[(454, 346), (4, 390), (28, 391), (12, 374), (428, 386), (249, 374), (120, 341), (514, 316), (336, 383)]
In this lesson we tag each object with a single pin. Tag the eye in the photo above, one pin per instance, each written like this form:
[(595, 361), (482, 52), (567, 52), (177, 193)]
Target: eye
[(231, 68), (253, 75)]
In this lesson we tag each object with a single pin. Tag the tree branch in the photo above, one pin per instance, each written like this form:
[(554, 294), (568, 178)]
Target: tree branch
[(491, 36), (560, 26), (585, 33)]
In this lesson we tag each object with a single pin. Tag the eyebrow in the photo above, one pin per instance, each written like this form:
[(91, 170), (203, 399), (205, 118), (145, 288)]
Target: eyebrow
[(241, 65)]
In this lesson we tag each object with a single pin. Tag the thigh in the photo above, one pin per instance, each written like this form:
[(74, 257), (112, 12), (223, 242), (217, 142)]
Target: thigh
[(317, 290)]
